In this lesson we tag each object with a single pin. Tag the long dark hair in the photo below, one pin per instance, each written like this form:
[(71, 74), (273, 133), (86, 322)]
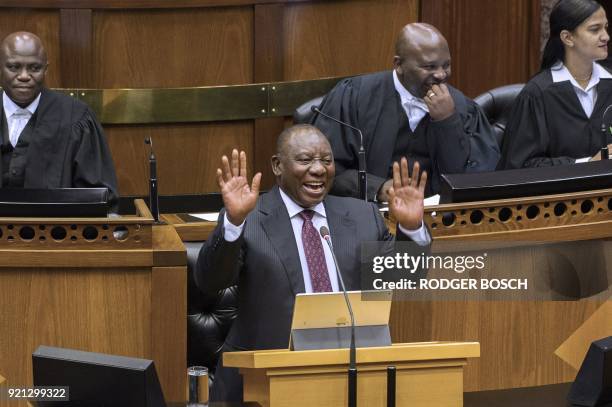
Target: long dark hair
[(566, 15)]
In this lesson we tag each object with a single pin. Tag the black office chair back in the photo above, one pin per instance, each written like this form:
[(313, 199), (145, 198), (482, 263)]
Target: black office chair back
[(496, 104), (303, 114), (209, 318)]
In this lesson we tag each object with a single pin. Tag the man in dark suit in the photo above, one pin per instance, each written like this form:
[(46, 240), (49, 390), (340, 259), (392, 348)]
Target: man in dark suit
[(409, 111), (271, 246), (47, 139)]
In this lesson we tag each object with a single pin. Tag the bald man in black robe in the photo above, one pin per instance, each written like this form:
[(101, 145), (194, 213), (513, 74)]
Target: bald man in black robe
[(411, 112), (48, 139)]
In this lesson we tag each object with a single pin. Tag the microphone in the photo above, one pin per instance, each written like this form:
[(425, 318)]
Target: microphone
[(352, 371), (605, 155), (363, 181), (153, 194)]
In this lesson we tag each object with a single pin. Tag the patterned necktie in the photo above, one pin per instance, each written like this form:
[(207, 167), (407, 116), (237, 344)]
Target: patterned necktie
[(19, 120), (315, 258)]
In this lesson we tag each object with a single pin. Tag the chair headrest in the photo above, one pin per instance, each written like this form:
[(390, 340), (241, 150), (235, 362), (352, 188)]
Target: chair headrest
[(496, 102), (303, 114)]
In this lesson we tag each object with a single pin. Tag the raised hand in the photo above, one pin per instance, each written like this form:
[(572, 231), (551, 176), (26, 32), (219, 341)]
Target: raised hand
[(439, 102), (406, 195), (238, 198)]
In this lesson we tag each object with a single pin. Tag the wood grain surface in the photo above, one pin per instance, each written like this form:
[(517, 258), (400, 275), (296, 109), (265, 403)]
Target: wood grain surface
[(127, 309), (336, 38), (168, 323), (492, 43), (428, 374), (157, 48), (134, 4), (187, 155), (45, 24), (76, 47)]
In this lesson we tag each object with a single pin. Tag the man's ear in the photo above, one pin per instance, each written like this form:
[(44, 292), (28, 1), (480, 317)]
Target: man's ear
[(397, 62), (567, 38), (276, 165)]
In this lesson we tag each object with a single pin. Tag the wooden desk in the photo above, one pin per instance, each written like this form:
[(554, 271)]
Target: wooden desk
[(115, 293), (427, 375), (189, 231), (523, 343)]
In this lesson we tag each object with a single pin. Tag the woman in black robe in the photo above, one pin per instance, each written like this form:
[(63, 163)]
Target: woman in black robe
[(557, 118)]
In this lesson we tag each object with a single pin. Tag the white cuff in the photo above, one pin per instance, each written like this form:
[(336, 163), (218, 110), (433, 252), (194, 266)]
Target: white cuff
[(419, 236), (582, 160), (231, 232)]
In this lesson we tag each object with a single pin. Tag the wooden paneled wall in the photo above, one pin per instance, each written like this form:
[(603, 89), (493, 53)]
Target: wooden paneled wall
[(492, 43), (149, 43)]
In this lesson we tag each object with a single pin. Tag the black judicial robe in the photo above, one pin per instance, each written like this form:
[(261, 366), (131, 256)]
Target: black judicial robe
[(548, 126), (464, 142), (67, 147)]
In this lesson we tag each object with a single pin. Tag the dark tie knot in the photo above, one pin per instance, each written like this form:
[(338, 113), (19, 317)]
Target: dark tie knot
[(307, 214)]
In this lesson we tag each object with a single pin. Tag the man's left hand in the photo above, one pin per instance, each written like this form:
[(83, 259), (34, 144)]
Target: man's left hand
[(406, 195), (440, 102)]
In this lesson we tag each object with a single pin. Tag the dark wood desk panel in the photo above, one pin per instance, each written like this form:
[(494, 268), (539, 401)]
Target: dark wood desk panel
[(131, 301)]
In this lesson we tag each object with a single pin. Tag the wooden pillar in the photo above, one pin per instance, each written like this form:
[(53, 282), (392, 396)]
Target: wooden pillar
[(267, 67), (76, 48)]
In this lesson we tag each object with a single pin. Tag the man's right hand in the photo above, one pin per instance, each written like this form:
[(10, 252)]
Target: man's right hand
[(238, 198)]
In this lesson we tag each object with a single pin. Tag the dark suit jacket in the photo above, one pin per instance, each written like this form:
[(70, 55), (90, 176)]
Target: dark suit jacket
[(265, 264)]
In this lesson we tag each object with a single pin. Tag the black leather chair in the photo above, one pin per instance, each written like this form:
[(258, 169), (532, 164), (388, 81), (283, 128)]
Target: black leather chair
[(209, 318), (496, 104), (304, 114)]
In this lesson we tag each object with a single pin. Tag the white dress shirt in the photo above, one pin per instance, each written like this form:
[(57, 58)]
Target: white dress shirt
[(17, 117), (587, 96), (415, 108), (233, 232)]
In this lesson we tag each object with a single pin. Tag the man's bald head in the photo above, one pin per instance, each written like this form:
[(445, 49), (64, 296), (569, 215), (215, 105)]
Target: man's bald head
[(297, 130), (415, 36), (25, 42), (23, 61), (422, 58)]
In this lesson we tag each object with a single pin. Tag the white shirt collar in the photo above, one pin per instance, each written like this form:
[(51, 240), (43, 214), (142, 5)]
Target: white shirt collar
[(11, 107), (560, 73), (294, 209), (406, 97)]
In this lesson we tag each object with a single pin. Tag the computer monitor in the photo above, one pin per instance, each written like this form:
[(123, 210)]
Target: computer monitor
[(524, 182), (97, 379), (58, 202)]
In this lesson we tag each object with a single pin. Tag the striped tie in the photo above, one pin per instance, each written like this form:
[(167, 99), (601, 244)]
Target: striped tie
[(315, 258)]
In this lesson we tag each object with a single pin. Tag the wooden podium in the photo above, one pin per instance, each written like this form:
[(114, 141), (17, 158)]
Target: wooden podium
[(429, 374), (109, 285)]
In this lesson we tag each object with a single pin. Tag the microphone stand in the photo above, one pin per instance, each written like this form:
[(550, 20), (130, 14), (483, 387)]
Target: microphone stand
[(361, 178), (352, 370), (605, 155), (153, 193)]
